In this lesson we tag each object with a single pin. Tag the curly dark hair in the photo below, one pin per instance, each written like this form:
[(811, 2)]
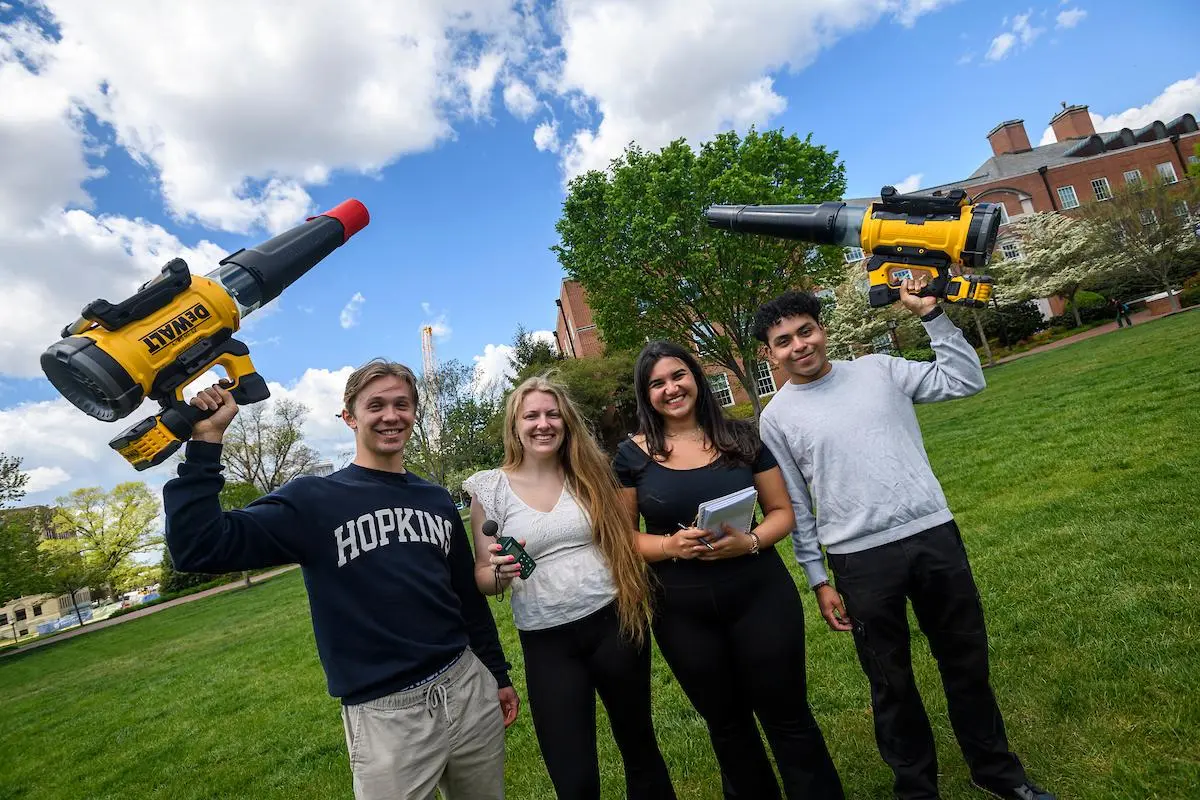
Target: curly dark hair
[(788, 304), (737, 441)]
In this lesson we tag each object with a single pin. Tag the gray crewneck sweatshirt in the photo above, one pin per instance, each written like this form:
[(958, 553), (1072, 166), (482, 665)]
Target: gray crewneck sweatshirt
[(851, 450)]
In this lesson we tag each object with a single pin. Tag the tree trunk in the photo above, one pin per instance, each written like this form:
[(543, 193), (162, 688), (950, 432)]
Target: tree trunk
[(246, 578), (1075, 311), (752, 393), (987, 348), (1173, 298), (76, 606)]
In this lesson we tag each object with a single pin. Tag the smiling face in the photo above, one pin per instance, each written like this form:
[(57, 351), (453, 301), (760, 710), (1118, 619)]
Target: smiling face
[(539, 425), (798, 346), (672, 389), (383, 416)]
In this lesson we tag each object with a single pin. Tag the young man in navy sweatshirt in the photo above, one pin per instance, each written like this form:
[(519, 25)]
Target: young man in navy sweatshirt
[(847, 440), (406, 640)]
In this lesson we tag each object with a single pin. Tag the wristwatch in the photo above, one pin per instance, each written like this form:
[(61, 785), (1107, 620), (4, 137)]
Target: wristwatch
[(932, 315), (819, 585)]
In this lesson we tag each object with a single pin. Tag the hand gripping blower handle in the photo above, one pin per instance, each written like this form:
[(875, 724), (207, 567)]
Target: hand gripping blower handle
[(177, 326), (906, 235), (510, 547)]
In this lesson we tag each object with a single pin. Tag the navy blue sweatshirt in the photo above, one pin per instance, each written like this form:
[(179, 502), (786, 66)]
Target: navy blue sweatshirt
[(386, 561)]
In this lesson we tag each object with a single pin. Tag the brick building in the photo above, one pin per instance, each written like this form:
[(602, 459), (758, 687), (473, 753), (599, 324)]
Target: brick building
[(577, 337), (1081, 166)]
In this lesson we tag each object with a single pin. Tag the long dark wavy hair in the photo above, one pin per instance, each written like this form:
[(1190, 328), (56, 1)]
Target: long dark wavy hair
[(735, 440)]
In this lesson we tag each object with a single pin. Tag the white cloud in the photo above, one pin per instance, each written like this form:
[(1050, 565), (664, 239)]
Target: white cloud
[(441, 328), (545, 136), (234, 133), (519, 99), (1181, 97), (480, 81), (965, 58), (910, 184), (1021, 36), (349, 315), (1000, 46), (493, 372), (1069, 18), (43, 478), (653, 71)]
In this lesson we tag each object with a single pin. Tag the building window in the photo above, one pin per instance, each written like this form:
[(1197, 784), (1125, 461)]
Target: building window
[(854, 254), (23, 632), (1167, 172), (1133, 177), (699, 332), (20, 614), (720, 387), (1066, 196), (764, 381), (3, 619), (1148, 216), (1101, 189), (1010, 250), (1004, 220), (1194, 159), (37, 610), (1181, 209)]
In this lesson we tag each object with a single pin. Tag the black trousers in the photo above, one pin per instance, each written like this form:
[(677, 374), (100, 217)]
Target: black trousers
[(736, 646), (931, 570), (565, 668)]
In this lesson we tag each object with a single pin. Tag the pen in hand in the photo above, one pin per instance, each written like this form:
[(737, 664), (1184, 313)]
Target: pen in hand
[(702, 541)]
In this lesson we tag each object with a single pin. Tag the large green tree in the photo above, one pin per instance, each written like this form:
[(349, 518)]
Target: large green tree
[(1146, 226), (110, 528), (530, 354), (454, 429), (635, 237)]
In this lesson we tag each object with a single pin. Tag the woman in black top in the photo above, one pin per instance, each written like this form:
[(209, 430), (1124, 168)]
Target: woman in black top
[(727, 615)]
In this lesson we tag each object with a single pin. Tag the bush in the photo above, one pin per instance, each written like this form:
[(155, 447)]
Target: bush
[(1190, 297), (918, 354)]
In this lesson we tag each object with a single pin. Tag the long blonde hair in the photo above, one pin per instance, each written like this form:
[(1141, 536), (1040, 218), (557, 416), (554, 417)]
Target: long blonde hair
[(591, 480)]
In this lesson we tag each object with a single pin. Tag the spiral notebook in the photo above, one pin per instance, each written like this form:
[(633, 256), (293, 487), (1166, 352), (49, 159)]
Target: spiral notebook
[(736, 508)]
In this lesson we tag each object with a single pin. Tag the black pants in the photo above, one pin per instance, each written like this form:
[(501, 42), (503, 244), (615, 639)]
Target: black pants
[(736, 646), (932, 571), (565, 668)]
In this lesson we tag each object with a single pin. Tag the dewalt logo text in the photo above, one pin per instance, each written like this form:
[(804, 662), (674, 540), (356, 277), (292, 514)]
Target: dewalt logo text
[(177, 328)]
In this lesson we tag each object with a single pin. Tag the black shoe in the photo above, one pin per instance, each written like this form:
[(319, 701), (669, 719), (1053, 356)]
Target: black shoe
[(1026, 791)]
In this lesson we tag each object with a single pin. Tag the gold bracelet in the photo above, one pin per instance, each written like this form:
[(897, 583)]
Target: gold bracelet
[(754, 549)]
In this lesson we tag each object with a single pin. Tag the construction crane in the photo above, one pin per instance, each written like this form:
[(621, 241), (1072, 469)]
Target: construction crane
[(431, 402)]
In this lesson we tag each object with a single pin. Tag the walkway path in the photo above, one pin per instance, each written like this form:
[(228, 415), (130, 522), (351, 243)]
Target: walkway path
[(1141, 317), (95, 626)]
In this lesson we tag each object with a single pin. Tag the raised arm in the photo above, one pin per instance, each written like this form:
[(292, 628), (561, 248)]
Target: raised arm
[(957, 371)]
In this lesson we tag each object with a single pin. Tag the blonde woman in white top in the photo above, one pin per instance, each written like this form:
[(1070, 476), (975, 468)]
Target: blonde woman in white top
[(582, 613)]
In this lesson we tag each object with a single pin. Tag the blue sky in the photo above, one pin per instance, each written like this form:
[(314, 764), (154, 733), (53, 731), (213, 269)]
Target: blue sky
[(134, 140)]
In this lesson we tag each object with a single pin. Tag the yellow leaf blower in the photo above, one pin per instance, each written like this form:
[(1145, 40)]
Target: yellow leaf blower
[(177, 326), (906, 235)]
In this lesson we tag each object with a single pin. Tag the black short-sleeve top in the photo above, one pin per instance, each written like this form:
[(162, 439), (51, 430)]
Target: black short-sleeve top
[(668, 498)]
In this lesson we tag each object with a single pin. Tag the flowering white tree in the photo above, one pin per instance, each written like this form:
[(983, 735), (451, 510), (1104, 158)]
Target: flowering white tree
[(1059, 256), (853, 325)]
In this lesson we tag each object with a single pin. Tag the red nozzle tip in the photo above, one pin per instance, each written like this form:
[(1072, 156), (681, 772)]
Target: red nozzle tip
[(352, 214)]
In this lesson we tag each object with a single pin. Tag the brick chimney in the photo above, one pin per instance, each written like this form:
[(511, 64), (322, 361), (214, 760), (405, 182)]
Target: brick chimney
[(1073, 122), (1009, 137)]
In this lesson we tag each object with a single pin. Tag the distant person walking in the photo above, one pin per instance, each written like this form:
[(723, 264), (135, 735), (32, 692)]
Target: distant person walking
[(1122, 311)]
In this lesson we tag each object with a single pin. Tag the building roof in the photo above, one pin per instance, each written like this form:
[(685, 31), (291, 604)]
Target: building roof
[(1056, 154)]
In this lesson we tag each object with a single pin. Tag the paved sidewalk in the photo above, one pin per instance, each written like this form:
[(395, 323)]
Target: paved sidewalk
[(1141, 317), (95, 626)]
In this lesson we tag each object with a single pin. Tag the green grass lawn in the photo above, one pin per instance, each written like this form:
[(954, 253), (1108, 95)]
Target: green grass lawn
[(1073, 478)]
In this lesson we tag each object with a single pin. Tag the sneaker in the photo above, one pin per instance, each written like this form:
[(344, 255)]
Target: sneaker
[(1026, 791)]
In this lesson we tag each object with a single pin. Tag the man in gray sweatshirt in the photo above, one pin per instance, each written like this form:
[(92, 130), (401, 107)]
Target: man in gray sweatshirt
[(847, 440)]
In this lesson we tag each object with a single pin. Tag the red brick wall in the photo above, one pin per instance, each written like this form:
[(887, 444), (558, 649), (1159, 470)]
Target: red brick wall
[(1111, 165), (578, 336)]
